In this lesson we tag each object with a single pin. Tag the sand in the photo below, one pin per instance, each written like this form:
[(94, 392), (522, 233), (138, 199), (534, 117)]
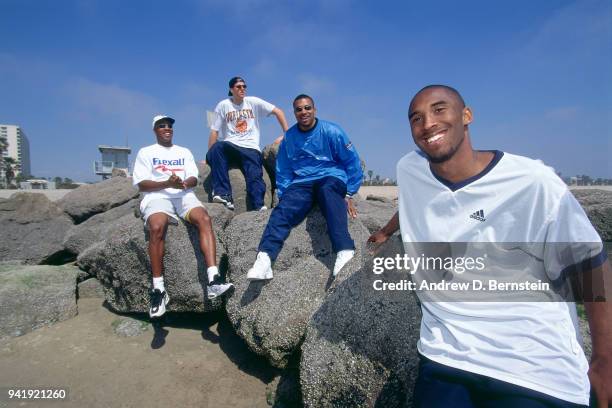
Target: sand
[(193, 361)]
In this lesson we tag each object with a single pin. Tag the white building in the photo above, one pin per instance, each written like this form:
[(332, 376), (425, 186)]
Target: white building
[(17, 146)]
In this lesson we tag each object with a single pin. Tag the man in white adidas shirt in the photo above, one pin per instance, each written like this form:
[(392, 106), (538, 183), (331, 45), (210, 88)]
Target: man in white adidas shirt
[(234, 137), (524, 354), (166, 174)]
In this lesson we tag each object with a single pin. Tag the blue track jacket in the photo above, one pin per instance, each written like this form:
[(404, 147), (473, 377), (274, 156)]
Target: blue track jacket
[(324, 150)]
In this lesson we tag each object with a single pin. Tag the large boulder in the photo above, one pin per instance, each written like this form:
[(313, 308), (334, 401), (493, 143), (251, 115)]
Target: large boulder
[(238, 184), (98, 228), (598, 206), (272, 316), (33, 229), (91, 199), (32, 296), (269, 154), (360, 347), (121, 264), (375, 212)]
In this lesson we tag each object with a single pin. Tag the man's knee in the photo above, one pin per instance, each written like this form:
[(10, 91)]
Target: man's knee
[(199, 217), (332, 186), (157, 226), (216, 150)]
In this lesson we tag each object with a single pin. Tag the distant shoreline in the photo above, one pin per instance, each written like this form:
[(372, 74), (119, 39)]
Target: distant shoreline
[(381, 191)]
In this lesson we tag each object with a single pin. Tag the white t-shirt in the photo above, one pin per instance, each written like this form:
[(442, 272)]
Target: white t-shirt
[(239, 124), (518, 200), (158, 163)]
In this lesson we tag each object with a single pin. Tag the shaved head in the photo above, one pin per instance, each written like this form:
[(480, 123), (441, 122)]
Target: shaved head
[(452, 91)]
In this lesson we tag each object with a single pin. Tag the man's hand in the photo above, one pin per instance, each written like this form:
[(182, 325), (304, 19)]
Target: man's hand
[(379, 237), (382, 235), (350, 207), (175, 182)]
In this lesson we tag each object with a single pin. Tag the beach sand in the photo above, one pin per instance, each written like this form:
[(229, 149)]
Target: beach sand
[(200, 362)]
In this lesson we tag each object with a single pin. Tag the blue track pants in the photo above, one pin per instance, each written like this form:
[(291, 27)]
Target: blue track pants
[(296, 202), (223, 154)]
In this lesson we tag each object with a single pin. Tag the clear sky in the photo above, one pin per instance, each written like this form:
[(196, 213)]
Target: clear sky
[(538, 74)]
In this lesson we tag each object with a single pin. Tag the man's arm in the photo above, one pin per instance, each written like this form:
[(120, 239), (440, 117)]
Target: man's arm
[(212, 138), (383, 234), (599, 315), (280, 116)]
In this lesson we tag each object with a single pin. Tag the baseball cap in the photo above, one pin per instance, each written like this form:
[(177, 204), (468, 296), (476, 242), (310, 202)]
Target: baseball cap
[(160, 117)]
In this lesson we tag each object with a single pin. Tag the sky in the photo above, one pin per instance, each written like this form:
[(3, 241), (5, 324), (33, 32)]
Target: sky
[(537, 74)]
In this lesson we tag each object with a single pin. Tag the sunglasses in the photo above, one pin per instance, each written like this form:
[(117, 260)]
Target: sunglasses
[(306, 108), (240, 86), (163, 126)]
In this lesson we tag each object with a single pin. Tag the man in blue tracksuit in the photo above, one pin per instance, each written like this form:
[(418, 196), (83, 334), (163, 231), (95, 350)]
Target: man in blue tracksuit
[(315, 162)]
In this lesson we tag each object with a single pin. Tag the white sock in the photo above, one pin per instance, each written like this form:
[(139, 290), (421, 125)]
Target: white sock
[(158, 283), (212, 272)]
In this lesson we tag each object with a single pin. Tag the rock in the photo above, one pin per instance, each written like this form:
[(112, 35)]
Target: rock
[(272, 316), (90, 288), (374, 214), (269, 154), (121, 264), (98, 227), (360, 347), (129, 327), (33, 229), (33, 296), (238, 184), (117, 172), (372, 197), (91, 199), (598, 206)]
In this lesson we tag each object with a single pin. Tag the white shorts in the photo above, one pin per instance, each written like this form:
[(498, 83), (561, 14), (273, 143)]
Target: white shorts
[(171, 206)]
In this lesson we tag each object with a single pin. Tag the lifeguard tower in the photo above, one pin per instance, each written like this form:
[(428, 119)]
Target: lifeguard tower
[(113, 157)]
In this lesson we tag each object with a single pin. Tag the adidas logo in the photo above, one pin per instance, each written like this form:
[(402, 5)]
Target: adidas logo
[(478, 215)]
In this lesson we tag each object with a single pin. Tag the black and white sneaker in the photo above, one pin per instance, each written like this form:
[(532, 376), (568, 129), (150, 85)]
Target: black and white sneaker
[(159, 300), (217, 288), (225, 200)]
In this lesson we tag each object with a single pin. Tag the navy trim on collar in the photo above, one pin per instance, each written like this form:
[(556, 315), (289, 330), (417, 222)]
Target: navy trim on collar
[(456, 186)]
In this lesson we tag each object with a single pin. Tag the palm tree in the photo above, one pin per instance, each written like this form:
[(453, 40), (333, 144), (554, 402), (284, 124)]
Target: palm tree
[(370, 173), (9, 169)]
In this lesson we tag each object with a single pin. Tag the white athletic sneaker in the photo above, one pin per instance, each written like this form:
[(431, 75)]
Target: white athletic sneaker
[(217, 289), (159, 300), (226, 201), (342, 258), (263, 208), (262, 268)]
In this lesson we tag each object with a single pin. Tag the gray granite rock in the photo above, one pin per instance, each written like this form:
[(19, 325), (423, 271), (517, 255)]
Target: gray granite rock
[(360, 347), (33, 296), (91, 199), (598, 206), (272, 317), (90, 288), (129, 327), (98, 227), (121, 264), (33, 229), (375, 213)]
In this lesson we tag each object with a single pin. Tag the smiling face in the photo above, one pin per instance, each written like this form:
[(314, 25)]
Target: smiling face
[(305, 113), (164, 132), (439, 120)]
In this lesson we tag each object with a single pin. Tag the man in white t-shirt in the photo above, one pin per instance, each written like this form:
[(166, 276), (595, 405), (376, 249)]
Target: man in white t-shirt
[(518, 352), (234, 138), (166, 174)]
